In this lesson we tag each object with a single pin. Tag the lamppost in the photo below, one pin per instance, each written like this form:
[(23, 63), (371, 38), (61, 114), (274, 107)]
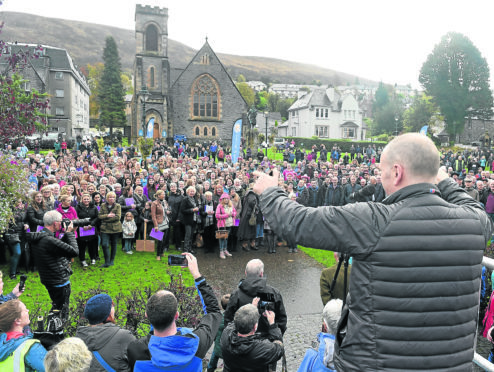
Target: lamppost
[(266, 114), (144, 94)]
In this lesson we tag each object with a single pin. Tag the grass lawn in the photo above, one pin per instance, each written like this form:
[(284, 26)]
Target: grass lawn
[(130, 272), (324, 257)]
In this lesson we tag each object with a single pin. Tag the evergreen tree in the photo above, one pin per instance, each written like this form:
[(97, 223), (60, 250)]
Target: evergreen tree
[(457, 76), (111, 91)]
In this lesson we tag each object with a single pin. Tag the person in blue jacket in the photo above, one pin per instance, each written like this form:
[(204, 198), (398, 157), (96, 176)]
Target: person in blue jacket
[(18, 350), (172, 348), (322, 359)]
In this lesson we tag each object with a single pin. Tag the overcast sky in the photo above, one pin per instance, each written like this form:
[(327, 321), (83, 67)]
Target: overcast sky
[(383, 40)]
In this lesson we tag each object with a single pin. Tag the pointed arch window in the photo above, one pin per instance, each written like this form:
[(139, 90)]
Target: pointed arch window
[(197, 132), (205, 98), (205, 131), (152, 38), (213, 132)]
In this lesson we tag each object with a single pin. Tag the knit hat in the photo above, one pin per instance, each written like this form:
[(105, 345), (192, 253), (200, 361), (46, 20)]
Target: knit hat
[(98, 308), (224, 196)]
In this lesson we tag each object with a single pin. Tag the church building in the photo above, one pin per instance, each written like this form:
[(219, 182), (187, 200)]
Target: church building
[(200, 102)]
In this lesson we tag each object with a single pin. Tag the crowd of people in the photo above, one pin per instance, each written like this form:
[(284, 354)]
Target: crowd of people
[(84, 202)]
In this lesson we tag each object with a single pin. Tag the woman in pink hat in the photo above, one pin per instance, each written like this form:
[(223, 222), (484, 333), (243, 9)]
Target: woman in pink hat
[(225, 215)]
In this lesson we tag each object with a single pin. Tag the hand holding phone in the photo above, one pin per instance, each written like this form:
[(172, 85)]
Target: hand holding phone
[(22, 283), (177, 260)]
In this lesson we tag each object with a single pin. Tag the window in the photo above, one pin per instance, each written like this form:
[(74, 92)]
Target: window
[(205, 131), (213, 132), (59, 93), (205, 98), (27, 86), (152, 38), (151, 76), (322, 132), (294, 132), (293, 113), (348, 132), (59, 75), (326, 113), (59, 111), (198, 131), (317, 113)]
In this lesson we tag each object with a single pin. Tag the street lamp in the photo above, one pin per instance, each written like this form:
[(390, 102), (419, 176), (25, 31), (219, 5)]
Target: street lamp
[(266, 114), (144, 94)]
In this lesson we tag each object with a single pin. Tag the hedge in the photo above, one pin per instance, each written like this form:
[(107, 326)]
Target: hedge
[(344, 144)]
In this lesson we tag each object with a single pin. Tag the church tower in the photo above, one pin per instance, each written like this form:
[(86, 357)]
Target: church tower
[(151, 72)]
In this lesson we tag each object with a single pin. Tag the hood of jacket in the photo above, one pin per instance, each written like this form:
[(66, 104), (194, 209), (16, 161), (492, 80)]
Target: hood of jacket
[(326, 350), (97, 336), (253, 286), (175, 350)]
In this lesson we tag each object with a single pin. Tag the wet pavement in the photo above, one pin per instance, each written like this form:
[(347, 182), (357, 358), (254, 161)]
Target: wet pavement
[(295, 275)]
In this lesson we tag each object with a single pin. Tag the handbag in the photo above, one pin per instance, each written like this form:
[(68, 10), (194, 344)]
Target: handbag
[(199, 241), (164, 225), (253, 217), (221, 234)]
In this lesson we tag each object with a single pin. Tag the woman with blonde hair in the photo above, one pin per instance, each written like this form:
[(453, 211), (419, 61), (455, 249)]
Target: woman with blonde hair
[(225, 214)]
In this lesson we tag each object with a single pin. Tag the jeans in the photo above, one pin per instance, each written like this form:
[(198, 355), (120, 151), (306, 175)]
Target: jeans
[(224, 242), (106, 240), (259, 230), (60, 297), (162, 244), (127, 244), (15, 255), (189, 229)]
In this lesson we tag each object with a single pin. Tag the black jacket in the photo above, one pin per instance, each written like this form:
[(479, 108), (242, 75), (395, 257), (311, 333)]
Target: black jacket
[(52, 256), (248, 289), (414, 288), (90, 212), (251, 353), (35, 217), (174, 201), (186, 210), (206, 330)]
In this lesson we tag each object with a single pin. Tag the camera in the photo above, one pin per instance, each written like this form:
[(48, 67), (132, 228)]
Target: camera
[(77, 223), (266, 302), (22, 282), (177, 260)]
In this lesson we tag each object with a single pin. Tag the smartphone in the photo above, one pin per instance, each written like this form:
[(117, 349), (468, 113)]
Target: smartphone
[(22, 282), (177, 260)]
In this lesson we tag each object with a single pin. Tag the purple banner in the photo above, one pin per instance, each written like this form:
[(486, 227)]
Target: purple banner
[(89, 232), (158, 235), (129, 201)]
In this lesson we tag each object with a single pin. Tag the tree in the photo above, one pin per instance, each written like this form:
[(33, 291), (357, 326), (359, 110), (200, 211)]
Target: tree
[(457, 76), (381, 98), (422, 112), (247, 93), (111, 94), (241, 78), (94, 74)]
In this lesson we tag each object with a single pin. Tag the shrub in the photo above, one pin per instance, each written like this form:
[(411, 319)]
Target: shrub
[(130, 308)]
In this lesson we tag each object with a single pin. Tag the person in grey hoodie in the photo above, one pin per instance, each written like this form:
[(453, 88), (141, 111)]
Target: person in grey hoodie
[(106, 341)]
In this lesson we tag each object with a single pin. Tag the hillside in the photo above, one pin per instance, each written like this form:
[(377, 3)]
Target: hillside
[(85, 43)]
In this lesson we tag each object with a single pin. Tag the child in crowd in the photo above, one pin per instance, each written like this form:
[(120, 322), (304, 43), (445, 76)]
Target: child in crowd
[(216, 355), (129, 229), (147, 218)]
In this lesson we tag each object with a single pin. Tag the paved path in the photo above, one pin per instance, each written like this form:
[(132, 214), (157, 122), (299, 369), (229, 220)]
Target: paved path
[(296, 275)]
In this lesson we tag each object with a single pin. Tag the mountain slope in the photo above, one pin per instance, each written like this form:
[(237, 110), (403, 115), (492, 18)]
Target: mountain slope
[(85, 43)]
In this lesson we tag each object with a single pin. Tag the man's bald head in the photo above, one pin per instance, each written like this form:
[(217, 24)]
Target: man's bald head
[(416, 153), (254, 268)]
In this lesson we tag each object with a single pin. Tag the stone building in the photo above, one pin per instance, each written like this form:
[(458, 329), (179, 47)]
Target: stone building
[(53, 72), (200, 101)]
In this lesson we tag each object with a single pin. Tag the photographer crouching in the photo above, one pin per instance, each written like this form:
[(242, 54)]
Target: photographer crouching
[(52, 257)]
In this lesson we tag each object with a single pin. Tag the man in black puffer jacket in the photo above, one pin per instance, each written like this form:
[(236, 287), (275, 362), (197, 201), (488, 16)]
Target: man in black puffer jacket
[(52, 256), (417, 261)]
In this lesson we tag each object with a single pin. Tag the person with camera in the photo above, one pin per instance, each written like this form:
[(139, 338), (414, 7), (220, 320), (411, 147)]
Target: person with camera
[(176, 348), (52, 255), (417, 259), (242, 349), (255, 285)]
